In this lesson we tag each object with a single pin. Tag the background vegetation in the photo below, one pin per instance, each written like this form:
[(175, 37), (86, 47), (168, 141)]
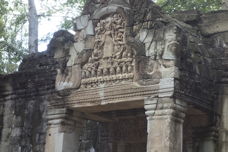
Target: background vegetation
[(202, 5), (14, 22)]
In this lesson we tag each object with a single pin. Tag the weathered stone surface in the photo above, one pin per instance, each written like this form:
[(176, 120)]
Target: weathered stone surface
[(90, 29), (191, 16), (82, 22), (225, 4), (214, 22), (165, 119), (125, 57)]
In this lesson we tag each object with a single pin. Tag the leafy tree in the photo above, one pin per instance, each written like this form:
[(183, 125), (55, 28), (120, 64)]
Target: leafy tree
[(12, 19), (202, 5), (67, 9), (3, 11), (33, 27), (14, 35)]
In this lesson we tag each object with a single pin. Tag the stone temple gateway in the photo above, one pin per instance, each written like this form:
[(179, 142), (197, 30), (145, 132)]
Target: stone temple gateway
[(131, 79)]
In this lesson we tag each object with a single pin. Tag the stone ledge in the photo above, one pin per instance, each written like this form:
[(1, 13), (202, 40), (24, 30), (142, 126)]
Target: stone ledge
[(214, 22)]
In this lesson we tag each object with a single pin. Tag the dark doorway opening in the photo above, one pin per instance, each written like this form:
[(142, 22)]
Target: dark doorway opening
[(117, 131)]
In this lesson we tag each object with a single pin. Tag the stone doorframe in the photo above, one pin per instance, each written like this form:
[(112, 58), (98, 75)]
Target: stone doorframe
[(63, 131), (165, 118)]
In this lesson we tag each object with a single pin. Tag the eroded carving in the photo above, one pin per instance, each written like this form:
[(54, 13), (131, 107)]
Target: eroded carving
[(112, 59)]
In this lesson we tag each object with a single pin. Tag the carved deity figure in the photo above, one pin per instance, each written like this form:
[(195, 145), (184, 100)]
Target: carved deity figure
[(111, 58), (108, 40)]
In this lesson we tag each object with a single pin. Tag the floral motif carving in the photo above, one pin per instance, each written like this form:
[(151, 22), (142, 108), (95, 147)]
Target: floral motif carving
[(112, 59)]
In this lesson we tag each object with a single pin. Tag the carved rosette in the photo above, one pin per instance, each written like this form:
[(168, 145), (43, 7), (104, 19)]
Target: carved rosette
[(112, 60)]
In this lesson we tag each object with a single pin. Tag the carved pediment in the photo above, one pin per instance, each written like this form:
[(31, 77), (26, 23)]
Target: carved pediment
[(112, 59)]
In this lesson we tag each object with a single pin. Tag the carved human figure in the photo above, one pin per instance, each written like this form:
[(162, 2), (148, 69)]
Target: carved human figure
[(125, 54), (98, 29), (83, 74), (118, 20), (125, 68), (130, 69), (87, 73), (112, 71), (99, 72), (118, 70), (118, 51), (108, 40), (171, 44), (120, 38), (93, 73)]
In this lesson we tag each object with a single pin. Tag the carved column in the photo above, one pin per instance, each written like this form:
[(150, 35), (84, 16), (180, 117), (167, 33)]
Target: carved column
[(207, 139), (165, 118), (63, 131), (223, 133)]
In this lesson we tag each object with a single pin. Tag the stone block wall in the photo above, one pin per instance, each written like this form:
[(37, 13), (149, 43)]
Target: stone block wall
[(23, 101)]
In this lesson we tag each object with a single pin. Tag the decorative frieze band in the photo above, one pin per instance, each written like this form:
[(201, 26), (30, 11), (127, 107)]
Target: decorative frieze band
[(162, 108)]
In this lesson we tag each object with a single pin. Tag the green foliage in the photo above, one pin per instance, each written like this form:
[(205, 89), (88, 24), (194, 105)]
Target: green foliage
[(13, 18), (3, 11), (67, 24), (73, 2), (2, 28), (63, 10), (67, 9), (14, 31), (202, 5)]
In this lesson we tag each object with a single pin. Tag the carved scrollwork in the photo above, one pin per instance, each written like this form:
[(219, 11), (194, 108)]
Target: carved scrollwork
[(112, 59)]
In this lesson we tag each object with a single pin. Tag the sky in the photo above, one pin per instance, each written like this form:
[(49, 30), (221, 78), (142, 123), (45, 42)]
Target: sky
[(47, 26)]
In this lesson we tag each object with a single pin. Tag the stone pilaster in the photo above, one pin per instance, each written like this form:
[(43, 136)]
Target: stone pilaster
[(207, 139), (64, 130), (223, 131), (165, 118), (223, 141)]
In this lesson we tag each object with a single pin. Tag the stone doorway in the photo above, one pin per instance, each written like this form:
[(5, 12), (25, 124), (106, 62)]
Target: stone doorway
[(123, 131)]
